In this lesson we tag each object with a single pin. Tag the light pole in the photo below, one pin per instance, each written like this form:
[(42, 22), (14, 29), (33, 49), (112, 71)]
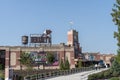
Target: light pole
[(38, 59)]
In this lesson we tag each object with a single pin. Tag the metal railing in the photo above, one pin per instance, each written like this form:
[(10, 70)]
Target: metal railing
[(46, 75)]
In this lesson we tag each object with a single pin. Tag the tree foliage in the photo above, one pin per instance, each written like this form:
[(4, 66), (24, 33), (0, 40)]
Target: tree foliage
[(64, 65), (112, 59), (26, 60), (67, 65), (116, 19), (79, 64), (61, 65), (50, 58), (115, 68), (1, 66)]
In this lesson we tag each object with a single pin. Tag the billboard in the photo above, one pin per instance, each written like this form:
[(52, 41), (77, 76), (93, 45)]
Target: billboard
[(37, 38), (41, 57), (38, 57)]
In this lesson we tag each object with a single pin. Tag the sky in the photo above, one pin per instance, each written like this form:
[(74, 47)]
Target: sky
[(91, 18)]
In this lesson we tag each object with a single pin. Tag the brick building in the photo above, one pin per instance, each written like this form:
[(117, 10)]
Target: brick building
[(70, 51), (12, 54), (62, 51), (98, 56)]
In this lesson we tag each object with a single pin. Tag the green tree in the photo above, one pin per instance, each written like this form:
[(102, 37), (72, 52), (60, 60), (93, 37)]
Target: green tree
[(1, 67), (50, 58), (116, 19), (112, 59), (79, 64), (67, 65), (115, 68), (2, 75), (61, 65), (64, 65), (25, 60)]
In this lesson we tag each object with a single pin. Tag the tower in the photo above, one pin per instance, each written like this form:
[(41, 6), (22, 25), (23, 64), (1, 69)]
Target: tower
[(74, 41), (73, 38)]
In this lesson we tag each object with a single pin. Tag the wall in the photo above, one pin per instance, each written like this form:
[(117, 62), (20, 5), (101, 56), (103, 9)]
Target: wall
[(13, 54)]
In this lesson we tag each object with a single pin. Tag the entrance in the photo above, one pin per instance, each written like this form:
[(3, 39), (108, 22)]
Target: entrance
[(108, 65)]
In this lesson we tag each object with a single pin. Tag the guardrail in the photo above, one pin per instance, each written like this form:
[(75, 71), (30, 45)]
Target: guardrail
[(46, 75)]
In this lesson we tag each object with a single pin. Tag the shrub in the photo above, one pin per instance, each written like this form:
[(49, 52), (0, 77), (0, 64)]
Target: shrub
[(61, 65), (100, 75), (79, 64), (107, 74), (67, 65), (20, 78), (1, 66), (64, 65), (115, 78), (115, 74), (1, 75), (92, 77), (115, 67)]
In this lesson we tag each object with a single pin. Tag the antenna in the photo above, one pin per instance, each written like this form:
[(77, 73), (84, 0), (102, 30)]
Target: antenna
[(71, 23)]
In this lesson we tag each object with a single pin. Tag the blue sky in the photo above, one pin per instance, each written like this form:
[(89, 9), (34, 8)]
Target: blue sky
[(91, 18)]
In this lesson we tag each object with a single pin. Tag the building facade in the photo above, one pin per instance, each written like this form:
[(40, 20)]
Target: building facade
[(62, 51), (71, 51), (98, 57), (12, 54), (73, 40)]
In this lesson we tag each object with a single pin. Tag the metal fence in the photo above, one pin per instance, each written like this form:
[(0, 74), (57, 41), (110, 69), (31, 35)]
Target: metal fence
[(46, 75)]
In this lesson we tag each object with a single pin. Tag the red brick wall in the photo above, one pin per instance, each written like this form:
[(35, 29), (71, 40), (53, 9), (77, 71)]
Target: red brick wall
[(17, 64), (70, 37), (97, 57), (7, 59), (62, 55), (17, 58), (72, 57)]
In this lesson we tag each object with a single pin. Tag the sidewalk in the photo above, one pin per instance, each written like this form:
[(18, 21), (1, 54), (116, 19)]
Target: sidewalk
[(77, 76)]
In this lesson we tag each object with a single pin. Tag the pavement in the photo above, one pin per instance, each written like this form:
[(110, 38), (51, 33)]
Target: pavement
[(77, 76)]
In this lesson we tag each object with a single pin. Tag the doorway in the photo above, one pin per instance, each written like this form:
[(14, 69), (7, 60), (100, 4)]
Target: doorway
[(2, 59)]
